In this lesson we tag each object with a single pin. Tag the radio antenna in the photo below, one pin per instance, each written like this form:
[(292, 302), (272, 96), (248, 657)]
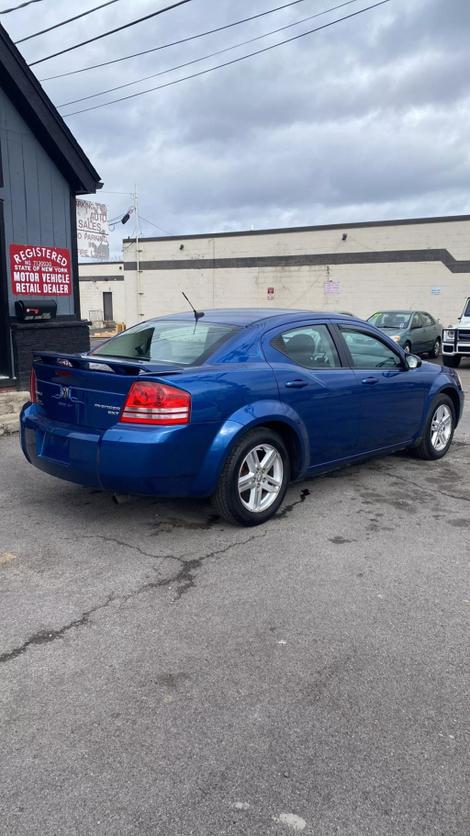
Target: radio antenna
[(197, 314)]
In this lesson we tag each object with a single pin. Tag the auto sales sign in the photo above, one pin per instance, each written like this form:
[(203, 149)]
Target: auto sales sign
[(40, 271), (92, 229)]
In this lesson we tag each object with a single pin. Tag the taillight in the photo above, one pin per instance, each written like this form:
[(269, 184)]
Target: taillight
[(155, 403), (33, 388)]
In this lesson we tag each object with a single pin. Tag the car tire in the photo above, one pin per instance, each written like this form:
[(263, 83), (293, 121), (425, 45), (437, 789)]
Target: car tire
[(256, 503), (452, 362), (436, 349), (434, 443), (407, 347)]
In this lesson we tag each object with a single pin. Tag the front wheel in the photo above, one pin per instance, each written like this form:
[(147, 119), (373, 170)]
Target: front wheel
[(407, 348), (254, 479), (452, 361), (439, 430)]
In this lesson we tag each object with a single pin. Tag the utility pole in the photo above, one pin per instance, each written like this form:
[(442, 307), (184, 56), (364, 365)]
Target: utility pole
[(140, 292)]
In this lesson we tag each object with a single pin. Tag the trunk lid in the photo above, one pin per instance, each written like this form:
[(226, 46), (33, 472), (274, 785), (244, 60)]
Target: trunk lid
[(84, 391)]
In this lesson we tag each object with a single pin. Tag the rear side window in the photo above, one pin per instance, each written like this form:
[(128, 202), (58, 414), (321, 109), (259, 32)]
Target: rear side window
[(183, 343), (310, 346), (427, 319)]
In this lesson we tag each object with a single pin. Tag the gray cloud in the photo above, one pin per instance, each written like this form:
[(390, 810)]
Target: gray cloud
[(368, 119)]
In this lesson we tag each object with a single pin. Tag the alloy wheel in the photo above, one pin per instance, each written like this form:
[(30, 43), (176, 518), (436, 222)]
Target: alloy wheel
[(260, 478), (441, 428)]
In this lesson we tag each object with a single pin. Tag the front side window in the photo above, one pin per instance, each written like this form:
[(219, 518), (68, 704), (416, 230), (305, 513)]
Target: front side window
[(427, 319), (368, 352), (183, 343), (416, 322), (310, 346)]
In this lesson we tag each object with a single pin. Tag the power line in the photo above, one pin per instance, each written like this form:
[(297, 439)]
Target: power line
[(210, 55), (165, 231), (228, 63), (174, 43), (132, 243), (64, 22), (21, 6), (111, 32)]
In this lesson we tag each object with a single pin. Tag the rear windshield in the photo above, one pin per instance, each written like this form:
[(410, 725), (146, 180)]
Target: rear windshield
[(390, 319), (184, 343)]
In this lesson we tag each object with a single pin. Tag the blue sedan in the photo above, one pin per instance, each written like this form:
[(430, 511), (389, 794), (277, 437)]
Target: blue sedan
[(233, 405)]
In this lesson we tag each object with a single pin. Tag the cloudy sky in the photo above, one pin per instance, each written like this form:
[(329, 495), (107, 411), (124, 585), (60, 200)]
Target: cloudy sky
[(367, 119)]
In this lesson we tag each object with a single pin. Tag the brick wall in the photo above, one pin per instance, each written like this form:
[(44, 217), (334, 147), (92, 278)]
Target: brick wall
[(67, 337)]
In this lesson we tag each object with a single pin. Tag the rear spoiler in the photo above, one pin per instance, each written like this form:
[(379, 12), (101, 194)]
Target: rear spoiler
[(92, 362)]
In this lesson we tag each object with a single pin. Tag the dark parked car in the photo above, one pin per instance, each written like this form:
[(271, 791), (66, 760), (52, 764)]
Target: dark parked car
[(233, 406), (416, 331)]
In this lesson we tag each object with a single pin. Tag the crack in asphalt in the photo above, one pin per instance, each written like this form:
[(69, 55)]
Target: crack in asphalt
[(287, 509), (107, 539), (47, 636), (185, 576), (189, 566)]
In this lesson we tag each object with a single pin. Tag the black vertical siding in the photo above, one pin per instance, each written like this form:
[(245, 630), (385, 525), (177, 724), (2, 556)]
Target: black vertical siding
[(37, 197)]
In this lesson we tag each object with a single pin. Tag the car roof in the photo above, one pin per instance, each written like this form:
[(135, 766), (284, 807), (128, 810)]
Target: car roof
[(249, 316), (397, 310)]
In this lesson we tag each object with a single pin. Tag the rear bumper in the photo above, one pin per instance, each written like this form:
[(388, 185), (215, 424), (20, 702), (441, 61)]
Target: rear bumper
[(56, 450), (162, 461)]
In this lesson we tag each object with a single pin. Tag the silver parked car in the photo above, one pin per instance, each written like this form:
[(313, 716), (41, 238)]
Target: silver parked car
[(416, 331)]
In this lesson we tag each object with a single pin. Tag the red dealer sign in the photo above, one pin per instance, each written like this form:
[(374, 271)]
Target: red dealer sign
[(40, 271)]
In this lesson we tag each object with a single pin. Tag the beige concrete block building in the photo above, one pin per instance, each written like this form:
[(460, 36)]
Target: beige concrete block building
[(102, 292), (361, 267)]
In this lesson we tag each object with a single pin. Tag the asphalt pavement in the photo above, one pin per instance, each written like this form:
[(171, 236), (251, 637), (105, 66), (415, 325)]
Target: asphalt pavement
[(162, 672)]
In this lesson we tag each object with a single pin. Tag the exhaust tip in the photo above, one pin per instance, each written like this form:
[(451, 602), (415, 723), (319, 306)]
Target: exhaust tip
[(121, 498)]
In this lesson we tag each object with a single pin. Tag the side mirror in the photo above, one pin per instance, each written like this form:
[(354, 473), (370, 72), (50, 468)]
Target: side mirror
[(413, 362)]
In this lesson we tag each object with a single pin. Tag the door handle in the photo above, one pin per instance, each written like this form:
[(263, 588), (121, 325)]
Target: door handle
[(370, 380), (296, 384)]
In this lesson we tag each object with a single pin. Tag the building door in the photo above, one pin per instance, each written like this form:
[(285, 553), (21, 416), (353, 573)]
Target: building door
[(108, 307), (5, 359)]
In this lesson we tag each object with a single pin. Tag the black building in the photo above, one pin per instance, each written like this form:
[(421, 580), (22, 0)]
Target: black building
[(42, 169)]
